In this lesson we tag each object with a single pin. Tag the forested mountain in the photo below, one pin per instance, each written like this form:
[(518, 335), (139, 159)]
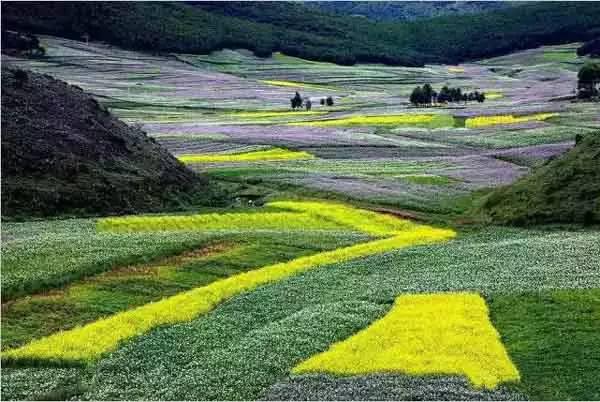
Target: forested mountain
[(408, 10), (302, 31)]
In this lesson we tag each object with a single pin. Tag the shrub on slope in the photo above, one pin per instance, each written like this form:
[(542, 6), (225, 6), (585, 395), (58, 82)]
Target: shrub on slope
[(566, 190), (63, 153)]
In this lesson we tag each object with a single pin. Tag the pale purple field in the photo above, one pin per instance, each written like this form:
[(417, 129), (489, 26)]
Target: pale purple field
[(213, 104)]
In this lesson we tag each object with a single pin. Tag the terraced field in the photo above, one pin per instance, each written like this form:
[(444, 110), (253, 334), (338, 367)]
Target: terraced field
[(326, 279)]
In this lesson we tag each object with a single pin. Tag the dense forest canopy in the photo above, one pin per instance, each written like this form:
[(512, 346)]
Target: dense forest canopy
[(298, 30), (408, 10)]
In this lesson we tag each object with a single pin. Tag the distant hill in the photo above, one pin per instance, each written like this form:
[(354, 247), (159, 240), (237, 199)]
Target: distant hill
[(408, 10), (62, 153), (299, 30), (565, 190)]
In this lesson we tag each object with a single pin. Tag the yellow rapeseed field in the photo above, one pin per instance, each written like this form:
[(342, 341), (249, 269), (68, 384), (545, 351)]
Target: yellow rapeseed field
[(483, 121), (226, 221), (89, 342), (491, 95), (258, 114), (272, 154), (424, 334), (280, 83), (288, 215), (370, 120), (373, 223)]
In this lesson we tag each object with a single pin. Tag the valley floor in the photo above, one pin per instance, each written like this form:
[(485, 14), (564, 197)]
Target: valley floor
[(346, 216)]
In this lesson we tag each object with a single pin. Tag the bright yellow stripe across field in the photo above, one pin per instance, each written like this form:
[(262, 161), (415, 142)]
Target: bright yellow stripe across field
[(91, 341), (445, 333), (295, 84), (259, 114), (370, 120), (284, 215), (483, 121), (273, 154), (288, 221)]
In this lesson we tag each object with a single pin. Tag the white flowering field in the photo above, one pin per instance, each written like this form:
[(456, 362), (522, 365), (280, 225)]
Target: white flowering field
[(348, 239)]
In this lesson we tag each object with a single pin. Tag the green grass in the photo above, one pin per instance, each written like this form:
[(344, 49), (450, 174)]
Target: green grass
[(429, 179), (87, 300), (38, 256), (565, 190), (522, 138), (553, 338), (560, 55), (42, 255), (253, 340)]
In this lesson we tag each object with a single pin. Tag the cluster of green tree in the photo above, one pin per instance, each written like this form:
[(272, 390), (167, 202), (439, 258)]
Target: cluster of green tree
[(588, 81), (591, 48), (298, 30), (297, 102), (426, 95)]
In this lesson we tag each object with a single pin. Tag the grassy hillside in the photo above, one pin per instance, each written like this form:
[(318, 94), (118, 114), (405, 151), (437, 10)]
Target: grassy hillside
[(305, 32), (63, 153), (564, 190)]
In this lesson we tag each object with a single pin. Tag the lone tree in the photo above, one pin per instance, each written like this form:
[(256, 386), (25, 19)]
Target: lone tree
[(21, 77), (296, 101), (329, 101), (308, 104), (588, 80), (427, 94), (417, 96)]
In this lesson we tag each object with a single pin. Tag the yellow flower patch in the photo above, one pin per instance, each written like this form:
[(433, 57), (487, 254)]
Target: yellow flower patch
[(273, 154), (287, 221), (89, 342), (259, 114), (491, 95), (370, 120), (293, 215), (445, 333), (373, 223), (483, 121), (279, 83)]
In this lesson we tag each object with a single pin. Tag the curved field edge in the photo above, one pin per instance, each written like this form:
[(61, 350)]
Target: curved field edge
[(87, 343), (282, 215), (125, 287)]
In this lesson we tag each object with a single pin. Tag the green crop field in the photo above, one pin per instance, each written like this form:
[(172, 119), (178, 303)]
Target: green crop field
[(350, 232)]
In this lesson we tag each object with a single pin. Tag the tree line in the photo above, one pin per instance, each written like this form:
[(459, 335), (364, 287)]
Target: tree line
[(297, 30), (426, 95), (298, 101)]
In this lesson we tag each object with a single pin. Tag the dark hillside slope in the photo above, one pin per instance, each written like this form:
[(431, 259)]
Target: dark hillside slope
[(565, 190), (298, 30), (64, 154)]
